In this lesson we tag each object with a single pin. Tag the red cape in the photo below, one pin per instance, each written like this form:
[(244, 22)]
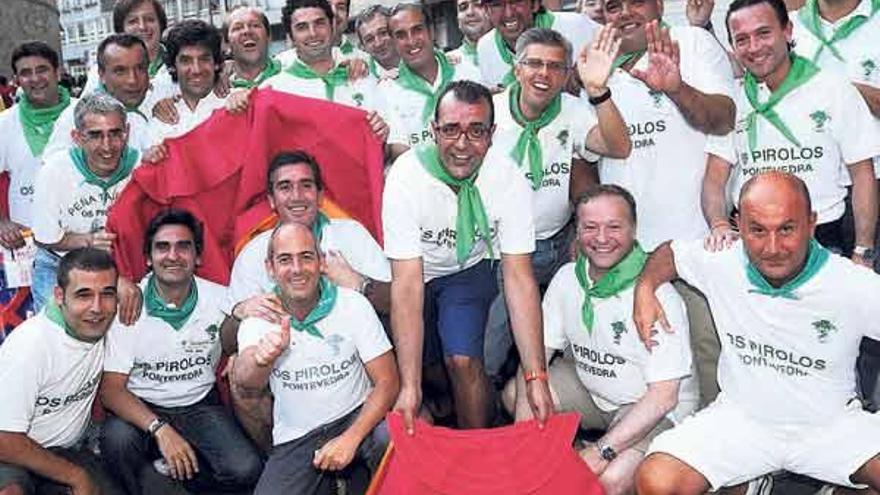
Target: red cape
[(517, 459), (218, 172)]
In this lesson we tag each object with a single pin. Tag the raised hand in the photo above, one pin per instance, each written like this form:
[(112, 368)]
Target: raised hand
[(699, 12), (273, 344), (596, 61), (664, 71)]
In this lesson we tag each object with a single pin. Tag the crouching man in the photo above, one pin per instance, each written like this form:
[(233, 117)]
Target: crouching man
[(613, 381), (329, 366)]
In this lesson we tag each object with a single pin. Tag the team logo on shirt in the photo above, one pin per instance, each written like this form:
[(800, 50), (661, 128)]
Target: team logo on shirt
[(824, 329), (334, 341), (868, 67), (562, 137), (358, 99), (657, 96), (819, 118), (618, 328), (212, 332)]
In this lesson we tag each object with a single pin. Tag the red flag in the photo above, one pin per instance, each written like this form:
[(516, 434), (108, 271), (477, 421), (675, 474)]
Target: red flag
[(218, 172), (517, 459)]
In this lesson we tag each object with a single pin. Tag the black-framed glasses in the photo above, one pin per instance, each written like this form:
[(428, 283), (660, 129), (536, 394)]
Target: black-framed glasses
[(473, 132)]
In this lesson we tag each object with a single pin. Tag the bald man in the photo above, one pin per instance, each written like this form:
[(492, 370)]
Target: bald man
[(790, 316)]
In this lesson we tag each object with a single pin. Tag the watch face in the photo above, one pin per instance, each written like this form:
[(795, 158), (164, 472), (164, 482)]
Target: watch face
[(607, 453)]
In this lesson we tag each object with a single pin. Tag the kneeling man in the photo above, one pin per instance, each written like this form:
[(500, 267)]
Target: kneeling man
[(790, 316), (329, 365), (613, 381)]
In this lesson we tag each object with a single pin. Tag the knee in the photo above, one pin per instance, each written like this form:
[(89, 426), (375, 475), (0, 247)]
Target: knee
[(244, 470), (617, 483), (12, 489), (654, 477), (119, 438), (466, 367)]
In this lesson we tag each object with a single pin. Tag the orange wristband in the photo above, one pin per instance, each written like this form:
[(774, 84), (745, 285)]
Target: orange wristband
[(531, 376)]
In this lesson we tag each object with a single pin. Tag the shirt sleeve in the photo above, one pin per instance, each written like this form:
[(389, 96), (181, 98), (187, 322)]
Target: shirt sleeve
[(399, 214), (516, 230), (46, 219), (723, 147), (21, 364), (583, 121), (119, 349), (710, 70), (692, 261), (671, 358), (370, 339), (246, 278), (368, 258), (553, 308), (856, 131)]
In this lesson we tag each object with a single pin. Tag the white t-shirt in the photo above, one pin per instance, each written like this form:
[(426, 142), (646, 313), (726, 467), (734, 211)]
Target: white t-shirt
[(788, 361), (138, 130), (466, 59), (67, 202), (405, 106), (611, 361), (831, 121), (562, 138), (419, 214), (665, 170), (319, 380), (17, 159), (187, 119), (168, 367), (50, 382), (288, 56), (250, 278), (577, 28)]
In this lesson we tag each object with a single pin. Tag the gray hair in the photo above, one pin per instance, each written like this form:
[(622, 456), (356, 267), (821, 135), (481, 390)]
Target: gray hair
[(96, 102), (542, 36)]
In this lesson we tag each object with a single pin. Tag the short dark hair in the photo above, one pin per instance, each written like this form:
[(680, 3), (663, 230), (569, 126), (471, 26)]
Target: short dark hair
[(369, 14), (295, 157), (293, 5), (124, 40), (612, 190), (778, 7), (191, 32), (263, 19), (468, 92), (122, 8), (34, 49), (88, 259), (414, 7), (175, 216)]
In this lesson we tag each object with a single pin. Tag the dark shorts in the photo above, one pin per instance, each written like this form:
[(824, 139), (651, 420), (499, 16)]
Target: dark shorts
[(455, 312)]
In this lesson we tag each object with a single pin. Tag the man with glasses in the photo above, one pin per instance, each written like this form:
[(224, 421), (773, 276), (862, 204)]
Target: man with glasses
[(375, 37), (473, 22), (510, 18), (450, 210)]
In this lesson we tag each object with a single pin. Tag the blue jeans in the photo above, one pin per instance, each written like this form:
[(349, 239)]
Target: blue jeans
[(227, 460), (45, 277), (32, 483)]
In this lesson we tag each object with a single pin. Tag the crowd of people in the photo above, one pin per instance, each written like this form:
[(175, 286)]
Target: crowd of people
[(591, 211)]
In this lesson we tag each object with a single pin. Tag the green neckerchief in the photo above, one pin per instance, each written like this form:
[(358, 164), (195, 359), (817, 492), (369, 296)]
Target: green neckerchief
[(619, 278), (507, 56), (53, 312), (528, 142), (338, 76), (801, 71), (170, 314), (321, 221), (39, 122), (470, 50), (816, 258), (624, 59), (414, 82), (544, 20), (346, 47), (272, 68), (471, 216), (810, 18), (156, 64), (126, 164), (374, 67), (326, 301)]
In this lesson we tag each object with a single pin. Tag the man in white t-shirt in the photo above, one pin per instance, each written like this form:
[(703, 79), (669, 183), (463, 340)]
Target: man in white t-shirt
[(790, 316), (510, 18), (449, 211), (122, 65), (613, 381), (328, 364), (375, 38), (246, 32), (473, 23), (159, 374), (51, 367), (423, 73), (76, 187)]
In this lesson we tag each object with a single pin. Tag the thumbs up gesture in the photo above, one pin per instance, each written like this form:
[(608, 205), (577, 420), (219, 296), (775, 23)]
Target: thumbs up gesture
[(273, 344)]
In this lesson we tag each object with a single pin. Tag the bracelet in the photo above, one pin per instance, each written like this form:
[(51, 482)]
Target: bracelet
[(365, 285), (531, 376), (155, 426), (598, 100)]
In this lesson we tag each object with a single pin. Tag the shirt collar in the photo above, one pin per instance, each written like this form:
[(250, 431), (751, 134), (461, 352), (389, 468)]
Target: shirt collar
[(863, 9)]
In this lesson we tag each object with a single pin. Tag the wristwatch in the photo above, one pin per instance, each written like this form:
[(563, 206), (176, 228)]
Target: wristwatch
[(606, 451), (866, 253)]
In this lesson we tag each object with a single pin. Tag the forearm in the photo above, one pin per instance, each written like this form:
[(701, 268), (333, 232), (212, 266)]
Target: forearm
[(709, 114), (660, 398), (19, 450), (659, 269), (249, 375), (712, 199), (523, 302), (871, 96), (229, 335), (408, 330), (864, 200), (614, 141), (69, 242), (377, 403), (584, 175), (379, 295)]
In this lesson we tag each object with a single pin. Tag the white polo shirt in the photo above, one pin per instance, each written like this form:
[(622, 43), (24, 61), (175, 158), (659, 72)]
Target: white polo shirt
[(419, 214), (785, 361), (67, 202), (250, 278), (187, 118), (138, 130), (665, 170), (611, 361), (831, 121), (168, 367), (318, 380), (17, 159), (405, 106), (50, 382), (577, 28), (560, 140)]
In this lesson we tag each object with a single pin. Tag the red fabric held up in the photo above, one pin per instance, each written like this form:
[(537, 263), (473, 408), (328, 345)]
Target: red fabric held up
[(513, 460), (218, 172)]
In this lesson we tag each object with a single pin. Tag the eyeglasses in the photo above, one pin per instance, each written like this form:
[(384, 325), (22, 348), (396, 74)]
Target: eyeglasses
[(537, 64), (498, 4), (473, 132)]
